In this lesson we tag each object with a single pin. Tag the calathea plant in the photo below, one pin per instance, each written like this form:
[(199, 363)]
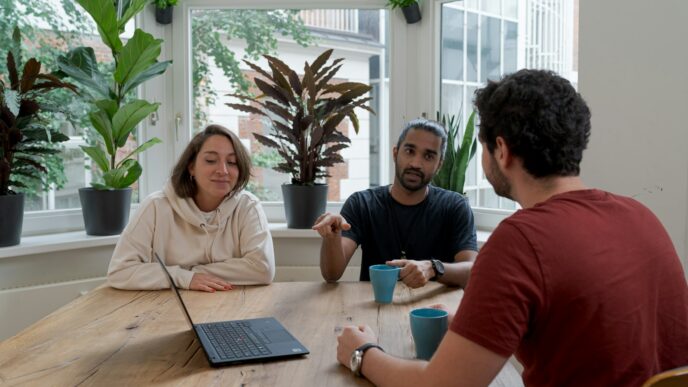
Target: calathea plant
[(116, 112), (452, 174), (304, 112), (25, 141)]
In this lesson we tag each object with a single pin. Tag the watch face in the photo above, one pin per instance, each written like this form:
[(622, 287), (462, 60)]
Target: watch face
[(355, 361)]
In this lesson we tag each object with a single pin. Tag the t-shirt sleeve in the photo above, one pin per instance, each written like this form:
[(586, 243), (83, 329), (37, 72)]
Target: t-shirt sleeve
[(504, 295), (463, 227), (351, 211)]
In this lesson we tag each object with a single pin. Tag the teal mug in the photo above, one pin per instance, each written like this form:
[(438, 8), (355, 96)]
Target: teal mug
[(428, 327), (384, 279)]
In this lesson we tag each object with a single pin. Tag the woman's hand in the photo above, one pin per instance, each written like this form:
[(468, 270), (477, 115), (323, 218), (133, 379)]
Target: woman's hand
[(208, 283)]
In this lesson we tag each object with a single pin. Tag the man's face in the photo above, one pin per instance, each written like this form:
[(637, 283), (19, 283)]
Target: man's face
[(417, 160), (499, 182)]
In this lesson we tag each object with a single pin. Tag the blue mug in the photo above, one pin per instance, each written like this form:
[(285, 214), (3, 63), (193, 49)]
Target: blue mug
[(384, 279), (428, 327)]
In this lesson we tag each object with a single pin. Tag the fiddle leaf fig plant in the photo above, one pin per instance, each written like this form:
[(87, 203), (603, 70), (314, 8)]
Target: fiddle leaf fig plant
[(25, 140), (117, 113), (304, 113), (452, 174)]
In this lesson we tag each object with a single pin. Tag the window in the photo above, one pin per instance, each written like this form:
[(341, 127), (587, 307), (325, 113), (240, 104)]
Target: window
[(221, 38), (485, 39), (50, 29)]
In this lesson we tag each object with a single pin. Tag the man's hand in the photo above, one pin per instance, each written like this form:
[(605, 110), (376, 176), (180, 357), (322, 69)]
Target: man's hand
[(208, 283), (351, 338), (415, 274), (330, 225)]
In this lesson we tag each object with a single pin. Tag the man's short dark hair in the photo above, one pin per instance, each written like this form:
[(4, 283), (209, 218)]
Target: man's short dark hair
[(431, 126), (540, 116)]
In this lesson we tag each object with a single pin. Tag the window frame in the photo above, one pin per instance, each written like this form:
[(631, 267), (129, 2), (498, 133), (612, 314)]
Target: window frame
[(414, 77)]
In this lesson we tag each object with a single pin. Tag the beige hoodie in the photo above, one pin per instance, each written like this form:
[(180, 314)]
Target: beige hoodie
[(235, 244)]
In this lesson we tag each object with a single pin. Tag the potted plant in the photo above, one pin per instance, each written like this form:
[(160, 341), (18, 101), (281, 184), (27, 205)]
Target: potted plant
[(303, 113), (410, 8), (163, 10), (452, 174), (117, 112), (25, 141)]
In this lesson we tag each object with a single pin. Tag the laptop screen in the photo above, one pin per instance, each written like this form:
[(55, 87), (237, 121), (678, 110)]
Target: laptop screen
[(175, 290)]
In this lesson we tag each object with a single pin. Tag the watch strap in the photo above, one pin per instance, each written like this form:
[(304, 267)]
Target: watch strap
[(436, 264), (362, 350)]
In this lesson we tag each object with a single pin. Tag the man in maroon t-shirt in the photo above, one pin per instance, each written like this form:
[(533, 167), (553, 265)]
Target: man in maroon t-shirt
[(583, 286)]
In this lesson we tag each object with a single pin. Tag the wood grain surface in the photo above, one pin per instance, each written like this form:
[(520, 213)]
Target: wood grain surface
[(137, 338)]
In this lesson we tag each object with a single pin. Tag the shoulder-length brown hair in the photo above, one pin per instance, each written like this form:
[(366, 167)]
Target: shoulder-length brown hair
[(184, 186)]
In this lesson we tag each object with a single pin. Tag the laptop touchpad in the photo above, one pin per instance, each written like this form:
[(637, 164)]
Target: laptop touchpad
[(278, 336)]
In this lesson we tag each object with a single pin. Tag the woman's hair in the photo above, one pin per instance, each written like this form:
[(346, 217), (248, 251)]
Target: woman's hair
[(185, 186)]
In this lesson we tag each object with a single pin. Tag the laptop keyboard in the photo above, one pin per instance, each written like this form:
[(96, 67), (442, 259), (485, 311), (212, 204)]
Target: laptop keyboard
[(235, 339)]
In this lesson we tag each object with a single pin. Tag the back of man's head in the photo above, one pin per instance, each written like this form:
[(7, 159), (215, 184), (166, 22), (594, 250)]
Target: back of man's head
[(540, 116), (430, 126)]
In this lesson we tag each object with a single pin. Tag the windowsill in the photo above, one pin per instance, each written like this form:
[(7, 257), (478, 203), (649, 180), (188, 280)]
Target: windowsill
[(79, 240)]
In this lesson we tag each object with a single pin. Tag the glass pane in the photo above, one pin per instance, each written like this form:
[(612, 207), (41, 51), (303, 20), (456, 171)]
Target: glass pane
[(510, 8), (472, 197), (50, 29), (452, 98), (471, 4), (472, 48), (489, 198), (221, 38), (452, 43), (489, 48), (491, 6), (510, 47)]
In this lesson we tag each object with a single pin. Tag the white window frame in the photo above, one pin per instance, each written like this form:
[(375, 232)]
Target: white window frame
[(414, 92)]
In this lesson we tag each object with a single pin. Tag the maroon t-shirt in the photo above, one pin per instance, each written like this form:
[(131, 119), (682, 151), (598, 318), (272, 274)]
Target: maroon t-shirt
[(586, 289)]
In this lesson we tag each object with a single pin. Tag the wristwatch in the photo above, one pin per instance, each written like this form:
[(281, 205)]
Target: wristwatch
[(438, 267), (356, 361)]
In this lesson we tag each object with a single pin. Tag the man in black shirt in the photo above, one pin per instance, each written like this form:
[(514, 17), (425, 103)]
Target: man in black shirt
[(427, 231)]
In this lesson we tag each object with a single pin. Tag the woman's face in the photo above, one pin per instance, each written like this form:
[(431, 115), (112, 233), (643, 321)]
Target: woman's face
[(215, 171)]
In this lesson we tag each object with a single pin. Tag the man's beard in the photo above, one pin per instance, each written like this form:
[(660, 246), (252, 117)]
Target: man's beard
[(499, 182), (408, 185)]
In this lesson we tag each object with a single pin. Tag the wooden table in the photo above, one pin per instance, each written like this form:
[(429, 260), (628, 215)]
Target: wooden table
[(137, 338)]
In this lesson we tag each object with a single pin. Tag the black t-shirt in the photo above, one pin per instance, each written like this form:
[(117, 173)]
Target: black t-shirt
[(438, 227)]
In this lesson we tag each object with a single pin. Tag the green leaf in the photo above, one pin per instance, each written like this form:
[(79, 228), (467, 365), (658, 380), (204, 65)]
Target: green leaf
[(128, 116), (96, 154), (105, 16), (458, 177), (123, 176), (102, 124), (140, 52), (43, 134), (152, 71), (135, 6), (140, 149), (12, 101), (109, 106), (81, 65)]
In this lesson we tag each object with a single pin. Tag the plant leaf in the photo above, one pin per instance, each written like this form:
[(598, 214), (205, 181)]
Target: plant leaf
[(246, 108), (102, 124), (128, 117), (320, 60), (148, 73), (271, 91), (123, 176), (31, 69), (134, 7), (12, 101), (98, 156), (140, 149), (266, 141), (81, 65), (140, 52), (105, 16)]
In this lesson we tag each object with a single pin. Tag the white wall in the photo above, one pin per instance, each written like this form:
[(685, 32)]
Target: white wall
[(633, 70)]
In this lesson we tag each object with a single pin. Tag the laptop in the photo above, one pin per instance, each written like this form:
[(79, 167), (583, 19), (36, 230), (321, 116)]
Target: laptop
[(240, 341)]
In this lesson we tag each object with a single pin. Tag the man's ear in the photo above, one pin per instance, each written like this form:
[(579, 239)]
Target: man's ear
[(502, 153), (394, 152)]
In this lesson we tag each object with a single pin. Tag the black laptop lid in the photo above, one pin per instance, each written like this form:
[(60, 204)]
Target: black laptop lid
[(175, 291)]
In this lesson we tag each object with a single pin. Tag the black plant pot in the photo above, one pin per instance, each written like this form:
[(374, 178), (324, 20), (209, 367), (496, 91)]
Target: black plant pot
[(12, 210), (303, 204), (106, 212), (412, 13), (163, 15)]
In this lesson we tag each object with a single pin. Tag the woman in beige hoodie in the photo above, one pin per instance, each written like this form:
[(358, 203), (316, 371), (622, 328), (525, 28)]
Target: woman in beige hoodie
[(210, 233)]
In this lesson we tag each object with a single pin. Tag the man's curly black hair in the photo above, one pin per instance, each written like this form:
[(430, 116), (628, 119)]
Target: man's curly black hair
[(540, 116)]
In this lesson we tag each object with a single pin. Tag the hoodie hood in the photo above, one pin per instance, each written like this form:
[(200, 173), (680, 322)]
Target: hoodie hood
[(187, 209)]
